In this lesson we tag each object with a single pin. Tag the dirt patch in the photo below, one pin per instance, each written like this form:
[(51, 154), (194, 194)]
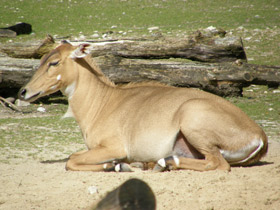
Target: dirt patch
[(30, 184)]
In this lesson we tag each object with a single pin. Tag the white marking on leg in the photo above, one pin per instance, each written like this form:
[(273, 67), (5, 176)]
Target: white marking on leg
[(176, 160), (105, 165), (117, 167), (162, 163), (58, 77), (243, 154), (253, 153)]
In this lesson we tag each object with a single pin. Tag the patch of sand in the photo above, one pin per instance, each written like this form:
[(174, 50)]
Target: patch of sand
[(29, 184)]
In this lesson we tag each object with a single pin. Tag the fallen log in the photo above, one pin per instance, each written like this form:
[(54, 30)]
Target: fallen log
[(204, 46), (205, 49), (224, 79), (134, 194), (16, 72), (30, 49)]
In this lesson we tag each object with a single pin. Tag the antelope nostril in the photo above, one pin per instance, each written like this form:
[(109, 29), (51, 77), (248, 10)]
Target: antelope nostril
[(22, 93)]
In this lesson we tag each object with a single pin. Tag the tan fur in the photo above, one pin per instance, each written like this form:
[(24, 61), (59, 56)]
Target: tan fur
[(141, 122)]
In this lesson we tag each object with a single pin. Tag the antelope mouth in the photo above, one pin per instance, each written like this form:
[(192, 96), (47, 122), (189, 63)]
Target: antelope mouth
[(23, 95)]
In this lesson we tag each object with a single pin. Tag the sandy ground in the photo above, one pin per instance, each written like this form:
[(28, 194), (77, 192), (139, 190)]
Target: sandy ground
[(30, 184)]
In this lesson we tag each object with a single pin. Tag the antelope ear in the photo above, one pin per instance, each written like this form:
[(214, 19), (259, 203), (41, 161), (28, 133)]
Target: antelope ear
[(81, 51)]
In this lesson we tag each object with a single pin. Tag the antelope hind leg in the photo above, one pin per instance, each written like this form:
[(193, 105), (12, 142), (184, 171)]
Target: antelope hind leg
[(197, 152), (211, 162)]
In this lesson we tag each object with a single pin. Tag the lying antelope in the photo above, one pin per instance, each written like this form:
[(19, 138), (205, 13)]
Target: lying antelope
[(177, 128)]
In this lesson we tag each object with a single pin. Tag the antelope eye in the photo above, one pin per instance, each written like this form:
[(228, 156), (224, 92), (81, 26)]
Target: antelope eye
[(54, 63)]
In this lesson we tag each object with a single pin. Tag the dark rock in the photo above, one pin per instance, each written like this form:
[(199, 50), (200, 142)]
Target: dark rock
[(20, 28)]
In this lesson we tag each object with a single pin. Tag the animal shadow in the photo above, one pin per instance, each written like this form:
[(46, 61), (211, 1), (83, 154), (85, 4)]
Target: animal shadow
[(64, 160)]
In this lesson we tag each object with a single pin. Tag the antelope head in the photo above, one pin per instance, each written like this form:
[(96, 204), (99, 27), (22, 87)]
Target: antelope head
[(56, 72)]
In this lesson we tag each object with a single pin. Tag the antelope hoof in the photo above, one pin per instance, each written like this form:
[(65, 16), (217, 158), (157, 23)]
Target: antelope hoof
[(123, 167), (160, 166)]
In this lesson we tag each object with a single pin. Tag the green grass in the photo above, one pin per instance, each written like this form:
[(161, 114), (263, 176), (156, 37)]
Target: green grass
[(259, 102), (36, 136), (64, 16)]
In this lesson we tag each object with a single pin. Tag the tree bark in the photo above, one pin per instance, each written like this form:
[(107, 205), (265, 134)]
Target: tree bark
[(134, 194), (15, 72), (201, 46), (31, 49), (224, 79), (197, 48)]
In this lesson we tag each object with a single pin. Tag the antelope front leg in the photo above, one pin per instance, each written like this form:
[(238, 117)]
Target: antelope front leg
[(77, 153), (97, 159)]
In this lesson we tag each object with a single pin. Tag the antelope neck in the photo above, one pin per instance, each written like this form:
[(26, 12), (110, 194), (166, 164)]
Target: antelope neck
[(88, 98)]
